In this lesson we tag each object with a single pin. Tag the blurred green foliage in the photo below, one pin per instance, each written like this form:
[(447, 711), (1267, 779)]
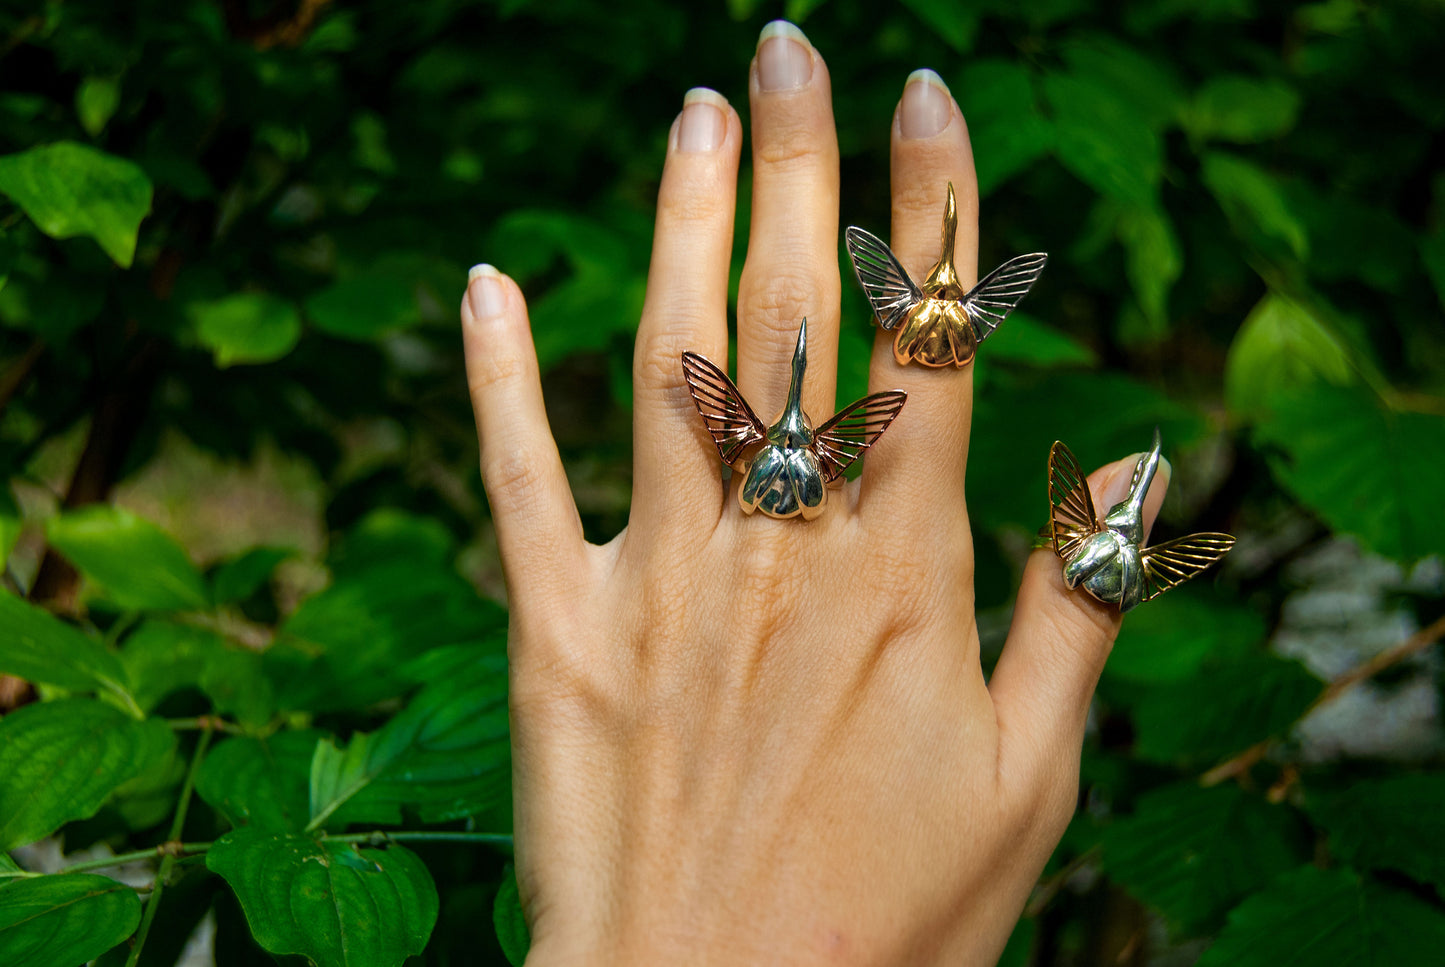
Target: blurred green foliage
[(240, 228)]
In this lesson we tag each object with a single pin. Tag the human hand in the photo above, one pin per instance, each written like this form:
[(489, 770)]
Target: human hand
[(746, 740)]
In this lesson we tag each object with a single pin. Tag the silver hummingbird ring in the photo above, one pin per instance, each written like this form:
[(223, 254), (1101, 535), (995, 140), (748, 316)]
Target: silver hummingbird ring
[(1106, 557), (787, 467)]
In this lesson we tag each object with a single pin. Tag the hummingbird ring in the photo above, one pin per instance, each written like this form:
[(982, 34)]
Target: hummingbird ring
[(938, 323), (789, 465), (1106, 558)]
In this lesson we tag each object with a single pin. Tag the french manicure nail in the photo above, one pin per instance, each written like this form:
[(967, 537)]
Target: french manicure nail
[(484, 289), (785, 58), (927, 105), (703, 123)]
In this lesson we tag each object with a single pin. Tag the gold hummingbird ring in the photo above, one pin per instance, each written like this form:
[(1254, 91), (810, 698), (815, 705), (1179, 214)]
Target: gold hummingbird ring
[(938, 322), (1106, 557), (787, 467)]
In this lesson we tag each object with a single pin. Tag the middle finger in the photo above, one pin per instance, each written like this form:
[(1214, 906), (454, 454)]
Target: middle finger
[(792, 264)]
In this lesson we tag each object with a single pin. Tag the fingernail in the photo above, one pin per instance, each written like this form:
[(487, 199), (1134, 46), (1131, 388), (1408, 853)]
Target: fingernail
[(484, 289), (927, 105), (703, 123), (785, 58)]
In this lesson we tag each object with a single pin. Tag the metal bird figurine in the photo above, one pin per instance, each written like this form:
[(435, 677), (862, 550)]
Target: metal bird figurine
[(790, 474), (1106, 558), (940, 323)]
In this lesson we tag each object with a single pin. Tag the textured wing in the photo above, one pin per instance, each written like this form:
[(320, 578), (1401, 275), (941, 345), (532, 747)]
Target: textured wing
[(1071, 508), (729, 419), (1176, 561), (890, 291), (1001, 291), (854, 429)]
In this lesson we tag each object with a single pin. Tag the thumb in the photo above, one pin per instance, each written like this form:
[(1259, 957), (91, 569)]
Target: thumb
[(1059, 639)]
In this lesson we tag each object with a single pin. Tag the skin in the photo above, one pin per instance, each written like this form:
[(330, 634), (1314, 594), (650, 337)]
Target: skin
[(740, 740)]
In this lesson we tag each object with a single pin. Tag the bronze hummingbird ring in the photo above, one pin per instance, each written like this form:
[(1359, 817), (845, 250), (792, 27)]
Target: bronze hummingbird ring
[(787, 467), (938, 322)]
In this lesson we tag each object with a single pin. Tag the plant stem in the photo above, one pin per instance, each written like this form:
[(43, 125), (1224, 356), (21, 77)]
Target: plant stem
[(153, 902), (1241, 762), (213, 722), (424, 836)]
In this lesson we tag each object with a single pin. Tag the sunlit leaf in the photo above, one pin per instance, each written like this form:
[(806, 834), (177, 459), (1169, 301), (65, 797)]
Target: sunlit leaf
[(1231, 107), (95, 101), (1367, 470), (248, 327), (1155, 260), (1025, 339), (1329, 918), (338, 904), (1192, 853), (136, 564), (1254, 201), (1282, 348), (71, 189), (39, 647), (61, 761), (64, 919)]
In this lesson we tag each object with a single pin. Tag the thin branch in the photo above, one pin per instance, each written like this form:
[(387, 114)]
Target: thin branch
[(1241, 762), (153, 903), (212, 723), (423, 836), (1046, 889)]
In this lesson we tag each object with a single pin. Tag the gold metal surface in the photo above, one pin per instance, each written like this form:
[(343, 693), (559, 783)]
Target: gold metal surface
[(938, 322)]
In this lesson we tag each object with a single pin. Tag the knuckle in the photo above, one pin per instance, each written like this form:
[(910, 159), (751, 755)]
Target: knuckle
[(513, 477), (657, 366), (789, 147), (788, 296), (693, 201), (496, 371)]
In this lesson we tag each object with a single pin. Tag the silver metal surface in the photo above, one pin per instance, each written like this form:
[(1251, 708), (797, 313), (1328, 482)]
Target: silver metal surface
[(788, 466), (937, 322), (1106, 558)]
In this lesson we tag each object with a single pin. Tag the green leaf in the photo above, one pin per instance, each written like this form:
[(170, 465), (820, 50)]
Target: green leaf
[(1104, 140), (10, 527), (248, 327), (61, 761), (955, 23), (1019, 950), (1150, 87), (997, 99), (64, 919), (1329, 918), (161, 657), (1173, 638), (1231, 107), (338, 904), (1193, 853), (243, 576), (1024, 339), (1154, 260), (1254, 201), (347, 647), (1281, 349), (447, 754), (39, 647), (509, 921), (1366, 470), (95, 102), (138, 565), (1222, 710), (71, 189), (364, 307), (1392, 823), (260, 783)]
